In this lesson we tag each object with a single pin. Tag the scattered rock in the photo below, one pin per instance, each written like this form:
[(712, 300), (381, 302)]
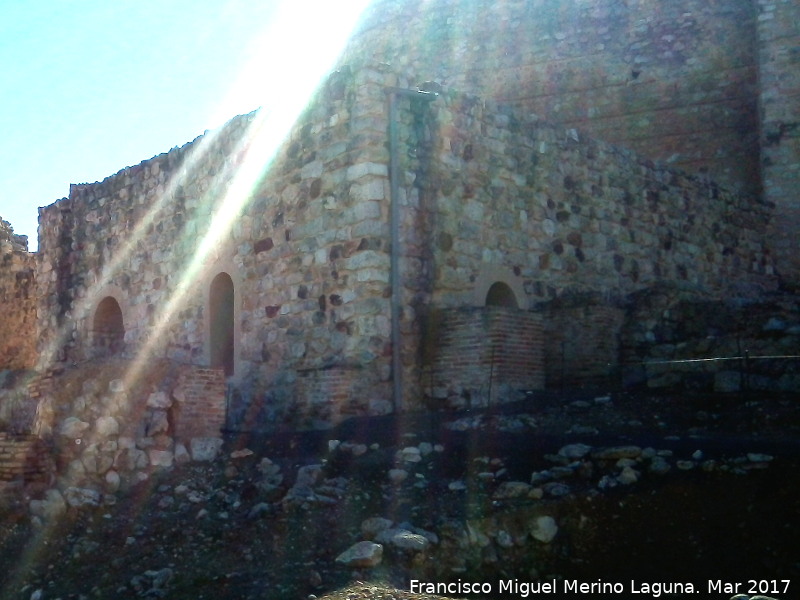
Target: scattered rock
[(397, 475), (243, 453), (73, 428), (544, 529), (574, 451), (159, 400), (512, 489), (82, 497), (361, 555), (106, 426), (205, 449), (372, 526), (617, 452)]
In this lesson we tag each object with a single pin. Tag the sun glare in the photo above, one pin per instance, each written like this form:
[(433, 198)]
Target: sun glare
[(296, 49), (287, 61), (295, 52)]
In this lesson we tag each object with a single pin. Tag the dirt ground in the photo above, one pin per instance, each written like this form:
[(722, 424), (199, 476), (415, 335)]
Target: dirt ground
[(684, 526)]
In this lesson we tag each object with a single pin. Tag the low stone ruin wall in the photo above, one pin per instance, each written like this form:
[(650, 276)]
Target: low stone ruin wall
[(109, 424), (582, 343), (17, 301), (677, 339)]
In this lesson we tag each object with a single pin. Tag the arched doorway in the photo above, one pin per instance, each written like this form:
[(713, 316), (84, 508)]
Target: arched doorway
[(108, 329), (500, 294), (221, 311)]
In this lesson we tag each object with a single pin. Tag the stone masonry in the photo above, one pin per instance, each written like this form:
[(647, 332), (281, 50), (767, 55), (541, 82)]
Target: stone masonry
[(17, 301), (527, 176), (488, 195), (690, 83), (779, 73)]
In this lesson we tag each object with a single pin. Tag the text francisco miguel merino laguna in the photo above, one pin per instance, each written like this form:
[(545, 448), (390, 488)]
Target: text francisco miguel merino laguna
[(523, 589)]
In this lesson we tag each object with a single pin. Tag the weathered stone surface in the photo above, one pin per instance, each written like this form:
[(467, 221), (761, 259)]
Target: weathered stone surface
[(82, 497), (205, 449), (512, 489), (403, 539), (161, 458), (544, 529), (372, 526), (50, 507), (573, 451), (159, 400), (106, 426), (73, 428), (361, 555)]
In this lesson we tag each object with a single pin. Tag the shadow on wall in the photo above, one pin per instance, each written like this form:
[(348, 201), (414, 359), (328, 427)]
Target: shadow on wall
[(500, 294), (108, 329), (221, 309)]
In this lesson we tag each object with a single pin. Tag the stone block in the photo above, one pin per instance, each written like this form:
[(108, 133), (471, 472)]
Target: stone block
[(205, 449)]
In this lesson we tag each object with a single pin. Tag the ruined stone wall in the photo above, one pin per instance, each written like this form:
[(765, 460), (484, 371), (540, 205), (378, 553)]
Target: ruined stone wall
[(17, 301), (553, 213), (779, 73), (486, 194), (582, 343), (676, 81), (676, 338), (305, 244)]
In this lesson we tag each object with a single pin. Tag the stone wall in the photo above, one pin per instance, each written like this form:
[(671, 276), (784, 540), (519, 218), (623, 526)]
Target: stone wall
[(110, 423), (306, 247), (582, 343), (479, 355), (551, 213), (487, 194), (17, 301), (779, 79), (675, 81), (675, 338)]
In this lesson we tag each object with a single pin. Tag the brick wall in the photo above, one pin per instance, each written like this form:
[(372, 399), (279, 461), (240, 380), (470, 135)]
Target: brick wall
[(200, 410), (484, 188), (480, 355), (23, 457), (326, 396)]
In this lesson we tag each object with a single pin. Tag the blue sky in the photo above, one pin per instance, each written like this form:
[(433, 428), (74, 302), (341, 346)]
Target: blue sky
[(92, 86)]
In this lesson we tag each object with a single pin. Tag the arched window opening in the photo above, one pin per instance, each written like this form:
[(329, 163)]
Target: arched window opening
[(501, 295), (108, 330), (221, 342)]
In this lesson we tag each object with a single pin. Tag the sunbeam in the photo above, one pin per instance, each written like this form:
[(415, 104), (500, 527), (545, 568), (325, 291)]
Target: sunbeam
[(293, 54)]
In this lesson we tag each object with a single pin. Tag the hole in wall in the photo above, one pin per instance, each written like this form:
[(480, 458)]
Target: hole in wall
[(108, 328), (500, 294)]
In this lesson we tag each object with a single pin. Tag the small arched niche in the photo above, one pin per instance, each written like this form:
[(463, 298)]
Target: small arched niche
[(108, 328), (221, 322), (500, 294)]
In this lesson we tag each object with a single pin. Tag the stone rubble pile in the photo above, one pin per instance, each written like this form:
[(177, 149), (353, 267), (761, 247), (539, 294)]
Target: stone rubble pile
[(106, 454)]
